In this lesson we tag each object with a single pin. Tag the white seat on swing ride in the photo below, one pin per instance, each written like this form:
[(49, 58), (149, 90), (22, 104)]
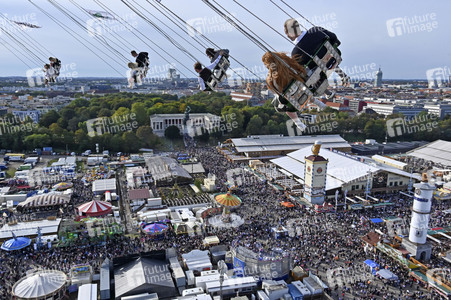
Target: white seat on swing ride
[(300, 93), (218, 74)]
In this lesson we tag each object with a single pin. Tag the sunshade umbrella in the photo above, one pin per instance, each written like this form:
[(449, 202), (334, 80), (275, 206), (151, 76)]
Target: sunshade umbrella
[(154, 228), (228, 199), (62, 186), (16, 243)]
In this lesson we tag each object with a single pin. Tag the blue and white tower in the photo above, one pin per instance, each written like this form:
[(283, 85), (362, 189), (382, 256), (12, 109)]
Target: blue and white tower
[(417, 244)]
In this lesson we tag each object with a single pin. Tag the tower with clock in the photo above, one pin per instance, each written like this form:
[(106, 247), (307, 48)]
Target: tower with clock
[(417, 244), (315, 176)]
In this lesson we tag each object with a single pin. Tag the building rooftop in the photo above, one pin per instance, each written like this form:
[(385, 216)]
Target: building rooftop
[(144, 275), (104, 185), (388, 148), (341, 169), (30, 228), (139, 194), (183, 115), (437, 152), (277, 142)]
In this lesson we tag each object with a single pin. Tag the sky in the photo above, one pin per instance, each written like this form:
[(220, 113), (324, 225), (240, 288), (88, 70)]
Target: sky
[(406, 38)]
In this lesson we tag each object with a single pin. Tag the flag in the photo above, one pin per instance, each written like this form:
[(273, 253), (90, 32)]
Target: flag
[(239, 266)]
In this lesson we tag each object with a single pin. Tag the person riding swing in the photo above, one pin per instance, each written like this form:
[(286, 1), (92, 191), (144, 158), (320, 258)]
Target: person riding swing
[(283, 70), (206, 73)]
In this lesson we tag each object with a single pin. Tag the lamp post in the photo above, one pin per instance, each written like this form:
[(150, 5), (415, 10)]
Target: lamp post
[(410, 186), (222, 268), (336, 200), (368, 183), (346, 198)]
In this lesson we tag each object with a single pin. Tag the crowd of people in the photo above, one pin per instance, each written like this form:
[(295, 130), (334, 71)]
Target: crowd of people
[(318, 242)]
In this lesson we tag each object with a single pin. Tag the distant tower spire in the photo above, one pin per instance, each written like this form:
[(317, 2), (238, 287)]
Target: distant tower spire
[(378, 79)]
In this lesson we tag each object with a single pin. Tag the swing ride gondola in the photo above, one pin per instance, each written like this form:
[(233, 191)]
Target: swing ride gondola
[(300, 91)]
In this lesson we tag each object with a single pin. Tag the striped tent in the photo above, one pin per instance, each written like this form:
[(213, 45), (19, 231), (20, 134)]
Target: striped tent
[(45, 200), (95, 208)]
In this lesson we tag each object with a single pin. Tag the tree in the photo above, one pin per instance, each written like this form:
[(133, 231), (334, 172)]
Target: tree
[(104, 112), (139, 109), (49, 118), (254, 126), (375, 129), (121, 103), (56, 129), (235, 118), (79, 102), (81, 139), (273, 127), (62, 122), (36, 140), (146, 136), (172, 132), (72, 125), (129, 141)]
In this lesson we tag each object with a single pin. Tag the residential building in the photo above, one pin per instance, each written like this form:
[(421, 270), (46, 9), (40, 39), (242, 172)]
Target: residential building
[(438, 109), (390, 109), (24, 114)]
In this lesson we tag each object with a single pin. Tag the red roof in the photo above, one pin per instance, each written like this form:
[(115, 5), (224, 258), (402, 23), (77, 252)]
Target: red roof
[(95, 208), (316, 158), (139, 194), (243, 96)]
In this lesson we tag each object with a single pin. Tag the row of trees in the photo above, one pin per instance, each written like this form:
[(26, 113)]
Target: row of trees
[(73, 126)]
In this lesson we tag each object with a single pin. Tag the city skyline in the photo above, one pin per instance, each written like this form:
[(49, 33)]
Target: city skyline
[(398, 40)]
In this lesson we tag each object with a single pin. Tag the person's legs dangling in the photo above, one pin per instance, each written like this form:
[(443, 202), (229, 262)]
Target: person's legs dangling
[(294, 117)]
